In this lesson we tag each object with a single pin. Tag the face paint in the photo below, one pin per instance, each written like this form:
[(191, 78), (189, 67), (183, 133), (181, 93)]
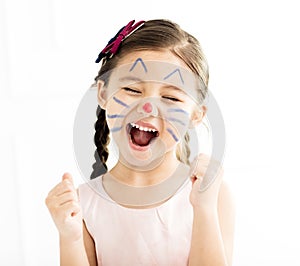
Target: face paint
[(146, 146), (156, 71), (120, 102), (177, 119), (128, 113), (147, 107), (172, 134)]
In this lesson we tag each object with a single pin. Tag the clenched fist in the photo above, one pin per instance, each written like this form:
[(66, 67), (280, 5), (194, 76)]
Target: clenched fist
[(63, 204), (206, 176)]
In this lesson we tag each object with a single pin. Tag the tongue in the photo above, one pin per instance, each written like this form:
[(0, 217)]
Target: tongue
[(140, 137)]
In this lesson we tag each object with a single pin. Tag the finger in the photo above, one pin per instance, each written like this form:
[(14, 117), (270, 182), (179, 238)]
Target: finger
[(199, 162), (68, 177), (61, 188), (57, 201), (66, 197), (69, 208), (58, 188), (204, 165)]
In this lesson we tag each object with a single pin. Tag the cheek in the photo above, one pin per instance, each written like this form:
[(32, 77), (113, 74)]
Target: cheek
[(114, 112), (113, 108), (117, 103), (177, 121), (117, 109), (170, 138)]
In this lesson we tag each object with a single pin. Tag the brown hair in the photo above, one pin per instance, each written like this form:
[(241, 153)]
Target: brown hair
[(155, 35)]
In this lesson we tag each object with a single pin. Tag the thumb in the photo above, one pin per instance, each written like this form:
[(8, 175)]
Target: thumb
[(68, 177)]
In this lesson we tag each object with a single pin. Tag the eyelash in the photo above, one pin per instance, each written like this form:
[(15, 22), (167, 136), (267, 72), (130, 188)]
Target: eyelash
[(134, 91), (171, 99)]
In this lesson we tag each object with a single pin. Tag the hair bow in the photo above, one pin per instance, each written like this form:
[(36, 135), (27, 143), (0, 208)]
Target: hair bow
[(113, 45)]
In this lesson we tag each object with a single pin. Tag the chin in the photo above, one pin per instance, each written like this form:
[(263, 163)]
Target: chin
[(143, 160)]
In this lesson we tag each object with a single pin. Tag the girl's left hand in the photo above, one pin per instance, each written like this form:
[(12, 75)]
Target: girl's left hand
[(206, 176)]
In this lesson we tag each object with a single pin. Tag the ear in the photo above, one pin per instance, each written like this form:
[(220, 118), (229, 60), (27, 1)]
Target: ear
[(101, 95), (197, 116)]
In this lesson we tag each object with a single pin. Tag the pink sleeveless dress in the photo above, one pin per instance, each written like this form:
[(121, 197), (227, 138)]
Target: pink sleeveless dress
[(138, 237)]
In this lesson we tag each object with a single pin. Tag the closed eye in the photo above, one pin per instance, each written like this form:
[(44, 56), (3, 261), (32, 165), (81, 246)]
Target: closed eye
[(131, 91), (170, 98)]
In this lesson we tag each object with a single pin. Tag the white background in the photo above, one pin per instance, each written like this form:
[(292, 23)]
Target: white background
[(47, 53)]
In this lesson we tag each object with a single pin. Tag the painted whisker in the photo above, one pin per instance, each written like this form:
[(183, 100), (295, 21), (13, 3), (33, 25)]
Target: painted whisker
[(176, 120), (172, 134), (120, 102), (178, 110), (115, 116), (115, 129)]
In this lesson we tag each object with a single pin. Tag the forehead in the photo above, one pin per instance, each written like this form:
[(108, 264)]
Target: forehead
[(159, 55), (174, 74)]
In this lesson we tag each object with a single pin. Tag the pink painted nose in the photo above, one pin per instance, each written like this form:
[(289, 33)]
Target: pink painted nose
[(147, 107)]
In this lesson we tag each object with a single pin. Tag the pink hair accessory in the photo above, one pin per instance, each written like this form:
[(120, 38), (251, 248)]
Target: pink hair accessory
[(113, 45)]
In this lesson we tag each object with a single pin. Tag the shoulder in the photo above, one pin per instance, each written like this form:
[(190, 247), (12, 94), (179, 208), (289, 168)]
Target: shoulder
[(90, 189), (90, 184)]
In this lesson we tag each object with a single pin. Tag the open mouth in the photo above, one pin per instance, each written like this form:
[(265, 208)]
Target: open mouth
[(141, 135)]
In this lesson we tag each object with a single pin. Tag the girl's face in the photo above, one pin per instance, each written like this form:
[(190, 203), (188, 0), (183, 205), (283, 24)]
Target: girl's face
[(150, 102)]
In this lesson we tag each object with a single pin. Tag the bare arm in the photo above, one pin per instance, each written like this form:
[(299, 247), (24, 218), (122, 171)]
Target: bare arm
[(226, 214), (63, 204), (213, 223), (89, 247), (212, 234), (72, 252), (81, 252)]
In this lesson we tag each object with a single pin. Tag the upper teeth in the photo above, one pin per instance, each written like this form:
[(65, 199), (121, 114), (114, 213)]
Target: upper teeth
[(143, 128)]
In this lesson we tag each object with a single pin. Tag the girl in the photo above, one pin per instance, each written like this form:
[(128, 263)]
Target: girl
[(151, 207)]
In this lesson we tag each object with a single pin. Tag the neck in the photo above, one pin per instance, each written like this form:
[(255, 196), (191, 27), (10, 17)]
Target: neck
[(133, 177)]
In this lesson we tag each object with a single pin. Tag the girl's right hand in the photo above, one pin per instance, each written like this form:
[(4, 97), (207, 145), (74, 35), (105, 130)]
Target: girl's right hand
[(63, 204)]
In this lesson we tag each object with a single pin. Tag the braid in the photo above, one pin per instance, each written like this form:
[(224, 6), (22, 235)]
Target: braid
[(183, 150), (101, 139)]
